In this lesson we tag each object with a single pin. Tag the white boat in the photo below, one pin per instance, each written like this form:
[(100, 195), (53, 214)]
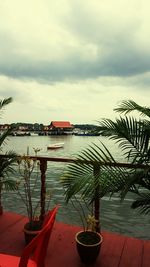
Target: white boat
[(33, 134), (55, 146)]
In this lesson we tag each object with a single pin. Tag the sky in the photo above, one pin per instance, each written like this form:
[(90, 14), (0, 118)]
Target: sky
[(73, 60)]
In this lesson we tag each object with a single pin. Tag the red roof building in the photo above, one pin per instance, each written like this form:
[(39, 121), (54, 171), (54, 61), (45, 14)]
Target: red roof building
[(61, 124), (61, 127)]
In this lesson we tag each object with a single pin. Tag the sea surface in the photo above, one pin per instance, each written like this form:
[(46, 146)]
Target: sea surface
[(115, 216)]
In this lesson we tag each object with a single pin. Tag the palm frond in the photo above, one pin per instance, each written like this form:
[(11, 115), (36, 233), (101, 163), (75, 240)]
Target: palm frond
[(5, 102), (92, 176), (89, 173), (4, 136), (9, 185), (135, 180), (133, 137), (128, 106), (142, 203), (7, 164)]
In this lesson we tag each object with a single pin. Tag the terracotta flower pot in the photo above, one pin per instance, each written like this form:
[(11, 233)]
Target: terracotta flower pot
[(88, 245), (31, 230), (1, 210)]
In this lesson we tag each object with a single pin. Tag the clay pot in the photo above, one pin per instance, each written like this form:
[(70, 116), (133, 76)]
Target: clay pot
[(31, 229), (88, 245)]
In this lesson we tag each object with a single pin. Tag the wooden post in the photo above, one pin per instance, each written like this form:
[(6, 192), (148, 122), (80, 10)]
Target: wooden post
[(1, 207), (43, 168), (96, 171)]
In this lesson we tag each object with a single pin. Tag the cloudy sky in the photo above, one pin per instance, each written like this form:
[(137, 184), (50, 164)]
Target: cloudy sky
[(73, 60)]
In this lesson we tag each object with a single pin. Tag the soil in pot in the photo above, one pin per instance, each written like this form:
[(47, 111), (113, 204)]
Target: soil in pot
[(31, 229), (88, 245)]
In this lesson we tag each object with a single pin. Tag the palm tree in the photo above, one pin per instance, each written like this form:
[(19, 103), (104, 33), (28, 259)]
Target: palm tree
[(133, 137), (8, 160), (96, 173), (92, 175)]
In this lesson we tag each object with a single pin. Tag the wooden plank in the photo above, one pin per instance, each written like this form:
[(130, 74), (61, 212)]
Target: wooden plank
[(62, 247), (116, 250), (146, 254), (132, 253), (7, 219), (111, 250), (12, 237)]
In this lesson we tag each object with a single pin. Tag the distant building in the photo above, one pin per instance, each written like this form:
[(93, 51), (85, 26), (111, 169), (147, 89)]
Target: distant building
[(22, 128), (4, 127), (61, 127)]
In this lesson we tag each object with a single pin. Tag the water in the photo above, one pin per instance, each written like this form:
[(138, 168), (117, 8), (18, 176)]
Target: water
[(115, 216)]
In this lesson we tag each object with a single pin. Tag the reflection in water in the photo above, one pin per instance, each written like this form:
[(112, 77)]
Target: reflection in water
[(115, 216)]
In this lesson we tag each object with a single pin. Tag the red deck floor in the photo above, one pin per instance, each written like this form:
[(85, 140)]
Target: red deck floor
[(116, 250)]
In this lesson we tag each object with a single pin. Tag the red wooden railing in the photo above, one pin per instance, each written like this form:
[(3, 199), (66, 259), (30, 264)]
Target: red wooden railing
[(43, 167), (96, 168)]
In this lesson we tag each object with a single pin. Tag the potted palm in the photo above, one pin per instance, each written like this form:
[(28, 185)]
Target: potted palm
[(88, 240), (7, 160), (95, 172), (28, 190), (88, 178)]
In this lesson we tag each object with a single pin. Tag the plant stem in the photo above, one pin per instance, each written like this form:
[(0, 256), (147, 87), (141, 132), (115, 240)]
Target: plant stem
[(96, 170)]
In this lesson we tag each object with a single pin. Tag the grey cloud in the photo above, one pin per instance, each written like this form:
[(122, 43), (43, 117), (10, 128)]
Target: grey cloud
[(17, 94), (138, 82), (127, 62), (4, 93), (122, 62), (120, 57), (116, 46)]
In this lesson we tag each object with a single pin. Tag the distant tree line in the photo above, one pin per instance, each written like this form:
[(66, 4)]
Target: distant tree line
[(41, 126), (88, 127), (28, 126)]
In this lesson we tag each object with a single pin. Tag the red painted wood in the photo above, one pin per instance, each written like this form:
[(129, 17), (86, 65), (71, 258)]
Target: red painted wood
[(8, 219), (43, 168), (62, 249), (119, 164), (111, 250), (132, 253), (37, 247), (12, 240), (116, 250), (146, 254)]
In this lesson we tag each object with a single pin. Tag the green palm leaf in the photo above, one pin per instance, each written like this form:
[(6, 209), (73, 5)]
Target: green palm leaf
[(127, 106), (96, 173), (8, 161), (4, 136), (142, 203), (132, 136), (10, 185), (5, 102), (7, 169), (80, 176)]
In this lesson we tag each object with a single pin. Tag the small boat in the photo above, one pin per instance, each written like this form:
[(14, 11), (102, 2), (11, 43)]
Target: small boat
[(33, 134), (55, 146), (86, 133)]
